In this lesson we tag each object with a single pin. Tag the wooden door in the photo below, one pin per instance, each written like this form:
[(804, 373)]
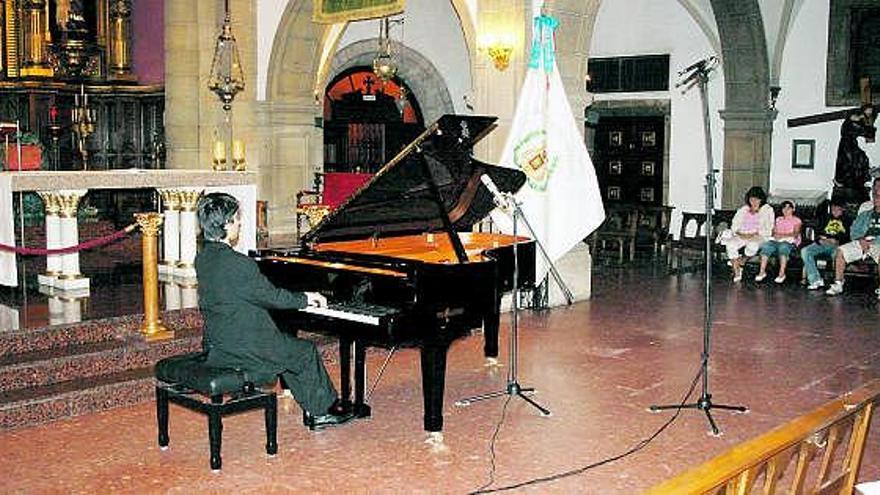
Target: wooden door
[(629, 159)]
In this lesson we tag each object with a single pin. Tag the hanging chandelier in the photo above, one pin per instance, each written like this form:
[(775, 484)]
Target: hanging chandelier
[(384, 66), (227, 76)]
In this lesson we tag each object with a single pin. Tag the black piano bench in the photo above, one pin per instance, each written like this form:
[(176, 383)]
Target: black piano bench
[(186, 380)]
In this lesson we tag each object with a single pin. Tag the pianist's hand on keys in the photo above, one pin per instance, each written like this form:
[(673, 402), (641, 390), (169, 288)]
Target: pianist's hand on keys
[(316, 300)]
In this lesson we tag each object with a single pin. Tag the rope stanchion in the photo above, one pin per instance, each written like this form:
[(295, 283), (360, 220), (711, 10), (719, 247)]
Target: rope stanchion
[(93, 243)]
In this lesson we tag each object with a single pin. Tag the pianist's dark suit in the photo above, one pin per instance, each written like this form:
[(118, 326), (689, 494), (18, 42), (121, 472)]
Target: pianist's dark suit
[(234, 298)]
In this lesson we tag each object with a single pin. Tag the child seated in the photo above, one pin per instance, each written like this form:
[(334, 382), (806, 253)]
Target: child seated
[(786, 237)]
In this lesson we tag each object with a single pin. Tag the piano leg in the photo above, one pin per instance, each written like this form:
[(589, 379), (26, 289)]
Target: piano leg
[(434, 383), (361, 409), (345, 371)]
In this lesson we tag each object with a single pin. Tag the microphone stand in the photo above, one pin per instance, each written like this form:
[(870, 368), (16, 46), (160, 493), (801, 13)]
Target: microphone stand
[(508, 202), (700, 76)]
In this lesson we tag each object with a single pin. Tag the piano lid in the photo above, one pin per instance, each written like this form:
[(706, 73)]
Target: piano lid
[(399, 199)]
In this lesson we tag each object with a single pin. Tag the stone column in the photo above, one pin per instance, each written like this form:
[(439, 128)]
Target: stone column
[(187, 40), (189, 296), (747, 142), (70, 277), (52, 205), (170, 231), (172, 295), (189, 199)]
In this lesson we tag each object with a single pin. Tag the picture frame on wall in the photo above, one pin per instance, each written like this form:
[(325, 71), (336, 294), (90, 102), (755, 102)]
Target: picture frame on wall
[(803, 153)]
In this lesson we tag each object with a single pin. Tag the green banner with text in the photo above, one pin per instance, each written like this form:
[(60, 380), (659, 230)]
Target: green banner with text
[(332, 11)]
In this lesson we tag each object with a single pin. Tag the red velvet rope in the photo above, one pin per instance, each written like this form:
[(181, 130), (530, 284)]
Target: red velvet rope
[(70, 249)]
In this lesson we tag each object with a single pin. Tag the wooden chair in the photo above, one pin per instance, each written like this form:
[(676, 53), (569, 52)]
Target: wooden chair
[(691, 240), (330, 190), (817, 453), (653, 226), (620, 227)]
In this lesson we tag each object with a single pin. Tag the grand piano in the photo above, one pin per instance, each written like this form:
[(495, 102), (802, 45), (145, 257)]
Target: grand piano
[(399, 265)]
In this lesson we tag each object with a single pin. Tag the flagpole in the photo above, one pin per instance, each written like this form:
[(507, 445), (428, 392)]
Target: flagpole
[(569, 298)]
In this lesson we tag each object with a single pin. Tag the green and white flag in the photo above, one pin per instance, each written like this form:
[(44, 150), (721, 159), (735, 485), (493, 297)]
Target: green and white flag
[(561, 199)]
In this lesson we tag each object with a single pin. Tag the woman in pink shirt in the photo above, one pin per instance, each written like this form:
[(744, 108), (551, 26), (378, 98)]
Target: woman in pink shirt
[(786, 237)]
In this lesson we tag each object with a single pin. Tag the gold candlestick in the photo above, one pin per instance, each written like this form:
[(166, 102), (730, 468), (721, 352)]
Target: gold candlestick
[(219, 156), (239, 164)]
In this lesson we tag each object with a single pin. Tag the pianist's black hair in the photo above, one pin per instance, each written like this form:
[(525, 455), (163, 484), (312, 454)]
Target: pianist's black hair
[(215, 210)]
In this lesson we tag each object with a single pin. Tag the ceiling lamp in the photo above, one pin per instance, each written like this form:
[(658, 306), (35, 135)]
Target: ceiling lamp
[(384, 66), (227, 76)]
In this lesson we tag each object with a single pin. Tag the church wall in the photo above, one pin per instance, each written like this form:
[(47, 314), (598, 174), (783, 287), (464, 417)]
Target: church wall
[(802, 79), (432, 29), (148, 41), (642, 27)]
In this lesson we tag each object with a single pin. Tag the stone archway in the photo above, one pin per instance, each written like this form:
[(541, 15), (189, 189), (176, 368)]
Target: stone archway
[(748, 120), (419, 74)]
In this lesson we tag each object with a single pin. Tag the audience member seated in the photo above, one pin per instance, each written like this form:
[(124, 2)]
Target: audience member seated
[(865, 243), (833, 227), (786, 237), (751, 226)]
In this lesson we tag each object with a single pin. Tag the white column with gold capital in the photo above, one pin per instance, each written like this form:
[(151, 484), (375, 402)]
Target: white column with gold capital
[(70, 277), (52, 205), (189, 199), (170, 231)]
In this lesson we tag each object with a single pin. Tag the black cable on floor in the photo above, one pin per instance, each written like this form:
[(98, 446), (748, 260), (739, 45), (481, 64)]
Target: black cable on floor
[(492, 446), (639, 446)]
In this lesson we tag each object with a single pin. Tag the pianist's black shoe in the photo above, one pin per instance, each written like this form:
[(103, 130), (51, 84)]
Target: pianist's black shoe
[(336, 414)]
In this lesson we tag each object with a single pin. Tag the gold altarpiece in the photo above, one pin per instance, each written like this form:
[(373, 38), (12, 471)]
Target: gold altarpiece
[(54, 53)]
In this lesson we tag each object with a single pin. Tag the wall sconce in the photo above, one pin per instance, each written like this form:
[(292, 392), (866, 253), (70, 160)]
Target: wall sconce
[(498, 48)]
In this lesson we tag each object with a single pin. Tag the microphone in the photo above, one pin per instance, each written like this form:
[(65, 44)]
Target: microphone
[(501, 199), (698, 64)]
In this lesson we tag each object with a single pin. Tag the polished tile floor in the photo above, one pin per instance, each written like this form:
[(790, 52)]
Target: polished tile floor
[(597, 365)]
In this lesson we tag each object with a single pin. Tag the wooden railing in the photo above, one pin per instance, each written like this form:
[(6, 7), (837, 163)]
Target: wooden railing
[(819, 452)]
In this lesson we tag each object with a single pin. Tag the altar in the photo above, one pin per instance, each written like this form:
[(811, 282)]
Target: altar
[(178, 194)]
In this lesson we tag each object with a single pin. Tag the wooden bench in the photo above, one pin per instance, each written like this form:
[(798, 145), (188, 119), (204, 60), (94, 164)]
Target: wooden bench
[(819, 452), (186, 380)]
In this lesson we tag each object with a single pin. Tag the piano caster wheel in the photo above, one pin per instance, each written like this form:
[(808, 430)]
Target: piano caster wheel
[(435, 440), (492, 362)]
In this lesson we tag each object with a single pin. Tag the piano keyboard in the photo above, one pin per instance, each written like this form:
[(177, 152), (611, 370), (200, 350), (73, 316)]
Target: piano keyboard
[(370, 314)]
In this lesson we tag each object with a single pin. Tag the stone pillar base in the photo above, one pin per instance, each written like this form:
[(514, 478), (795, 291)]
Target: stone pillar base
[(67, 284)]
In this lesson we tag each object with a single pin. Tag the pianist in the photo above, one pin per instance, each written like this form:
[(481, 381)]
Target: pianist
[(234, 298)]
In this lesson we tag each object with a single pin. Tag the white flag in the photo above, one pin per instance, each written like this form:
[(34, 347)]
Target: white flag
[(561, 199)]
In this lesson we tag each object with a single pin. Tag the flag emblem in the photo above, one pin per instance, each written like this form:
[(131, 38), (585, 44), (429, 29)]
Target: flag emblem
[(530, 156)]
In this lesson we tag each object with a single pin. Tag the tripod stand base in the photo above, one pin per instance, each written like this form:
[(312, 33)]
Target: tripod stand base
[(704, 404), (514, 389)]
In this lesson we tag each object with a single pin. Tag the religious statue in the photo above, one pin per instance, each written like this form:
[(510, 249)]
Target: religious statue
[(853, 169), (70, 15)]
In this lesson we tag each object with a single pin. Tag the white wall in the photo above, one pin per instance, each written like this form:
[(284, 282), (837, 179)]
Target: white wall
[(431, 28), (269, 14), (641, 27), (802, 78)]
